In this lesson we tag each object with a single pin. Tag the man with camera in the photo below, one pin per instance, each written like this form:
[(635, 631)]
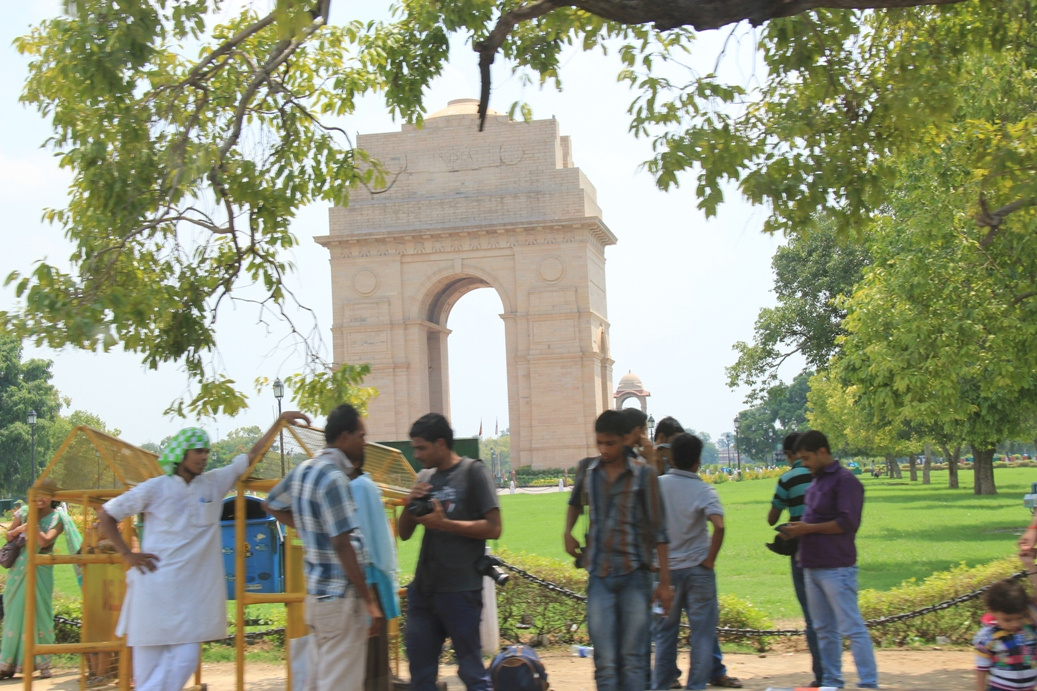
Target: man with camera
[(455, 501)]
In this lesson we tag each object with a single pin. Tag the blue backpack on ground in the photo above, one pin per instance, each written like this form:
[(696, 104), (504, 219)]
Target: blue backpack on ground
[(518, 668)]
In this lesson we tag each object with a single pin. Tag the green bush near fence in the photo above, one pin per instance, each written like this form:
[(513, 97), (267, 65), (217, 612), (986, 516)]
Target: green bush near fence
[(958, 623)]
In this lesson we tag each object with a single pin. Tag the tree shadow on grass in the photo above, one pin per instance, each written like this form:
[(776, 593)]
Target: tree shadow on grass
[(989, 531)]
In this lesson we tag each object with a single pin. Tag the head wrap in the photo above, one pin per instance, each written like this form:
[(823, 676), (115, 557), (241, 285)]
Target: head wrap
[(184, 441)]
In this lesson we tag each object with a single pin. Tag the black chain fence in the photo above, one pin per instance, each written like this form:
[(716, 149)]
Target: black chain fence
[(946, 604), (565, 592)]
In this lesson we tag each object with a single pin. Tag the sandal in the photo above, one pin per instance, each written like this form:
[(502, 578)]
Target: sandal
[(46, 674), (6, 673), (727, 682)]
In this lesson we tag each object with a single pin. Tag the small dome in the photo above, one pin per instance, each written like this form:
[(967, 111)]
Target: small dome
[(461, 106), (630, 382)]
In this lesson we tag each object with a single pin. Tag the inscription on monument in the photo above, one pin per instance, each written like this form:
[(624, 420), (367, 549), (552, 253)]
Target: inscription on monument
[(554, 331), (367, 345)]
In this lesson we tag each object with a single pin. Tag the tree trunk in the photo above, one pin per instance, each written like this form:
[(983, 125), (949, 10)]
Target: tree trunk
[(892, 467), (983, 470), (927, 465), (912, 464), (952, 465)]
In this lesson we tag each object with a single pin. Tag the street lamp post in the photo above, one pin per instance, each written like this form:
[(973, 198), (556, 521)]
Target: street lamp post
[(651, 428), (279, 394), (32, 426), (738, 452)]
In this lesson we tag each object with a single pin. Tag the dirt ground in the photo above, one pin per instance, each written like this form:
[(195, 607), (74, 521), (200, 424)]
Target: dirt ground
[(899, 670)]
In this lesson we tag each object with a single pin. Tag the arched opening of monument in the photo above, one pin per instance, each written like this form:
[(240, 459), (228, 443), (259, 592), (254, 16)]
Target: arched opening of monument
[(478, 367)]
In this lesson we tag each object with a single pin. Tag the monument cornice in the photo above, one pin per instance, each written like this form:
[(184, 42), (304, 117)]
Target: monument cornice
[(402, 241)]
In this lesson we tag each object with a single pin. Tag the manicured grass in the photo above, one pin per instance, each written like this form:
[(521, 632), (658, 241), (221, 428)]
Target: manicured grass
[(909, 531)]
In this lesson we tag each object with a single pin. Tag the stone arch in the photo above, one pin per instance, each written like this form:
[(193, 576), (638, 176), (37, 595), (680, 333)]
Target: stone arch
[(438, 298), (463, 215), (443, 290)]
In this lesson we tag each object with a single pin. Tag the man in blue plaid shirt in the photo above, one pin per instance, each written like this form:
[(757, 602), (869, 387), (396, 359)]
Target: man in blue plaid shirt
[(627, 527), (341, 611)]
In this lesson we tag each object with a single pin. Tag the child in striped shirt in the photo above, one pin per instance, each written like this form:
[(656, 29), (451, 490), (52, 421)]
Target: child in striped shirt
[(1006, 645)]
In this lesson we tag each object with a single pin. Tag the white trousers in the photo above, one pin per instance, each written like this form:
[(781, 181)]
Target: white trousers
[(164, 667), (337, 650)]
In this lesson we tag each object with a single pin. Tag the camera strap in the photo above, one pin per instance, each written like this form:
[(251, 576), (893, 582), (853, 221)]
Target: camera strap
[(421, 572)]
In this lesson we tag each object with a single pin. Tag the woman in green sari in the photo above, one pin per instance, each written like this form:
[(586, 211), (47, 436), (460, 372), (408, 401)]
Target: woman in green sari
[(52, 522)]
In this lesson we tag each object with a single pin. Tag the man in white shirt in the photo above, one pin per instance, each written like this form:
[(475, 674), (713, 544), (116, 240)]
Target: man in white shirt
[(180, 549), (692, 506)]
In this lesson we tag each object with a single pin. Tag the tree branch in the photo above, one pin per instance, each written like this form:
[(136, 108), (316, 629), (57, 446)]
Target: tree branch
[(702, 15), (487, 49), (227, 46), (992, 220)]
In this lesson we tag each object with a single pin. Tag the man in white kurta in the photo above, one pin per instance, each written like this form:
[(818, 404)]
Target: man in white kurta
[(180, 552)]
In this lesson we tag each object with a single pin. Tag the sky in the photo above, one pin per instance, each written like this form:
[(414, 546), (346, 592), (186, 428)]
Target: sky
[(681, 289)]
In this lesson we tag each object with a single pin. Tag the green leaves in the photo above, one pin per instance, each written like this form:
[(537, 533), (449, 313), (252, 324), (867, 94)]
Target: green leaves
[(322, 391), (186, 173), (187, 169)]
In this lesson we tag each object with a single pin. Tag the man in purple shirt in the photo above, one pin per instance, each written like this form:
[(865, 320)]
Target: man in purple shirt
[(828, 556)]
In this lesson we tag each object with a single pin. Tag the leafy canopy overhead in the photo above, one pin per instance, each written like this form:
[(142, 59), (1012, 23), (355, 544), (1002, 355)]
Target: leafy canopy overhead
[(192, 148)]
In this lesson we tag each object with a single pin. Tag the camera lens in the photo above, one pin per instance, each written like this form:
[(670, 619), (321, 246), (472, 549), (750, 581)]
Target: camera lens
[(488, 566)]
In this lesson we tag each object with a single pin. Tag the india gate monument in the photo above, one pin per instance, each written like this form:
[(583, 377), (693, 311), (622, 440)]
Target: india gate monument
[(506, 209)]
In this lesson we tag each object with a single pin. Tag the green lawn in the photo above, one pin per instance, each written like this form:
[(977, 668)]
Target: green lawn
[(909, 531)]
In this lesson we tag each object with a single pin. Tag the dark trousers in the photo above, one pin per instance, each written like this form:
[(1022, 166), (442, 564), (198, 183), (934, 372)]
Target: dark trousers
[(377, 677), (431, 618)]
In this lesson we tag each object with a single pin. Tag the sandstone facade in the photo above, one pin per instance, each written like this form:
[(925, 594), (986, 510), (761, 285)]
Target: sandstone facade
[(506, 209)]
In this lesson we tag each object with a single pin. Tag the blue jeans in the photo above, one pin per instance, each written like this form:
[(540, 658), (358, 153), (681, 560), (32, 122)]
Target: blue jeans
[(832, 598), (694, 592), (617, 620), (719, 668), (430, 619), (799, 584)]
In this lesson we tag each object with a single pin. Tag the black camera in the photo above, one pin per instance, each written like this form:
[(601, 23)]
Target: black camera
[(489, 565), (578, 560), (421, 506)]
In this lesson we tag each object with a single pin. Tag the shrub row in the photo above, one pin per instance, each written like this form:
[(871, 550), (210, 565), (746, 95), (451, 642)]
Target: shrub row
[(958, 623)]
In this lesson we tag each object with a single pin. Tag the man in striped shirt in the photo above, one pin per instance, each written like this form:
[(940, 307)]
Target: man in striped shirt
[(789, 494), (626, 525)]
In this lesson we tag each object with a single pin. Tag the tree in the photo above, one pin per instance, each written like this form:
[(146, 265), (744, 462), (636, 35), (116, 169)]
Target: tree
[(710, 452), (24, 386), (811, 273), (498, 448), (756, 434), (941, 328), (237, 441), (788, 403), (64, 424), (187, 170), (850, 427)]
